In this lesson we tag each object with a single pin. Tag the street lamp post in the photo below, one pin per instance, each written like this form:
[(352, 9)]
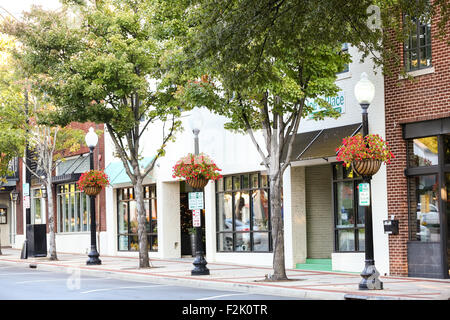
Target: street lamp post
[(364, 93), (91, 141), (14, 198), (195, 122)]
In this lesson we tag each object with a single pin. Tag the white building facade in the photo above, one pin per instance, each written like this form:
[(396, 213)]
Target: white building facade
[(321, 216), (320, 205)]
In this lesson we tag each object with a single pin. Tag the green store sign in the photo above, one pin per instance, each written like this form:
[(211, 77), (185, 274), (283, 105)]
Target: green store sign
[(337, 102)]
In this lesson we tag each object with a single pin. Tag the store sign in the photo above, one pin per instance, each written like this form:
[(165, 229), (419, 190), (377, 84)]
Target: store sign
[(195, 200), (26, 189), (337, 102), (196, 218), (364, 194), (26, 202)]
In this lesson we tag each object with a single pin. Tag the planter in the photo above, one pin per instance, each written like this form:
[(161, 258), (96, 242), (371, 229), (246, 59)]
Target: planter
[(367, 167), (92, 191), (199, 183)]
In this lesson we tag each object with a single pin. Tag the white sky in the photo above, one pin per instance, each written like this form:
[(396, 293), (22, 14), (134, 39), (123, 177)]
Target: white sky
[(16, 7)]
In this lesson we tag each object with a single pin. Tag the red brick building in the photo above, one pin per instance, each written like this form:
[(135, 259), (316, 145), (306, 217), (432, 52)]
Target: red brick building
[(70, 205), (418, 129)]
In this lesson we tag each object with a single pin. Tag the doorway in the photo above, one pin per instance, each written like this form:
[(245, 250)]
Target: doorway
[(186, 221)]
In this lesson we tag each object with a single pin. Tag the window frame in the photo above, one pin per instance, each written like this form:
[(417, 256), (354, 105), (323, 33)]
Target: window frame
[(356, 179), (70, 194), (407, 48), (344, 50), (250, 189), (439, 170), (147, 197)]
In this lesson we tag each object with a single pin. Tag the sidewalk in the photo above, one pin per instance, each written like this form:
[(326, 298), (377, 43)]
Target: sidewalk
[(309, 284)]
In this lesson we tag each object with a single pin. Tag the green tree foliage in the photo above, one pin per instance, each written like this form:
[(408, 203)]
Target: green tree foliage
[(265, 59), (21, 125), (104, 66), (11, 118)]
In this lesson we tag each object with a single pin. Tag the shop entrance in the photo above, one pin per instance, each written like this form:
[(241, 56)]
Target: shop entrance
[(186, 227), (428, 182)]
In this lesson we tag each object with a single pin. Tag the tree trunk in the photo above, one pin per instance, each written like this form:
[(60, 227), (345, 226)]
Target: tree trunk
[(275, 177), (142, 232), (279, 271), (51, 220)]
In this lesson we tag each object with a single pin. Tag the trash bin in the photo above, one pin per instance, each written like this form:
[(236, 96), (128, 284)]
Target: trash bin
[(36, 240)]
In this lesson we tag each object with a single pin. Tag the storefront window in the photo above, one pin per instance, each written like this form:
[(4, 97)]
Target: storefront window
[(127, 219), (349, 217), (423, 152), (447, 181), (447, 149), (37, 207), (3, 216), (424, 208), (73, 208), (243, 213)]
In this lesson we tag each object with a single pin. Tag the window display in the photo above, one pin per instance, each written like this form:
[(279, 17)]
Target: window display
[(127, 219), (243, 213)]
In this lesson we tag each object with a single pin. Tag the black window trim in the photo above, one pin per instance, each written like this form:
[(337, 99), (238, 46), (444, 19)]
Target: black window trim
[(233, 191), (418, 24), (357, 179), (128, 234)]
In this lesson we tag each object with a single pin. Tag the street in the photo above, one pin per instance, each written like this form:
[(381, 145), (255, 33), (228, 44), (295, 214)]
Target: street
[(21, 283)]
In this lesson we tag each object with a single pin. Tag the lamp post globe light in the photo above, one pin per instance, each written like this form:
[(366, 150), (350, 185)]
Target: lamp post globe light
[(195, 123), (364, 93), (91, 139)]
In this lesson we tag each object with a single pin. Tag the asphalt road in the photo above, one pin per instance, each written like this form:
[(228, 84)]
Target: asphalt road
[(22, 283)]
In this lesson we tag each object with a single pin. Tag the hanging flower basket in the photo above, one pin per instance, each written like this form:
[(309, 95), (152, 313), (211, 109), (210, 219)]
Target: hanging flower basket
[(364, 154), (92, 191), (367, 167), (197, 170), (197, 183), (91, 182)]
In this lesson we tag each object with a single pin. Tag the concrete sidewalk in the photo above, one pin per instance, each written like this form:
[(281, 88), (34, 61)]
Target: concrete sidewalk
[(306, 284)]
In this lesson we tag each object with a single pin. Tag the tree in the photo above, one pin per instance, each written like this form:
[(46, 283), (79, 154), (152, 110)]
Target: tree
[(11, 139), (100, 71), (21, 114), (265, 59), (273, 106), (49, 145)]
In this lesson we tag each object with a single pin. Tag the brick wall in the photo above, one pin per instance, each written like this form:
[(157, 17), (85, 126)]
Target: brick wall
[(99, 163), (425, 98)]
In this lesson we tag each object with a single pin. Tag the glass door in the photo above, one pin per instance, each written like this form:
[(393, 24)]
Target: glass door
[(447, 182)]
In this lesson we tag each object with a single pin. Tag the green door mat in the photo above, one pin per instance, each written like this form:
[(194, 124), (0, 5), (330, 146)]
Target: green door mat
[(318, 265), (315, 264)]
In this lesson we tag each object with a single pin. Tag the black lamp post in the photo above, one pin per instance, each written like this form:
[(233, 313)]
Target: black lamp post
[(91, 141), (364, 93), (195, 122)]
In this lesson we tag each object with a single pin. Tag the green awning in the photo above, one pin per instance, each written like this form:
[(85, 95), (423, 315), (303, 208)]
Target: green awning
[(117, 174)]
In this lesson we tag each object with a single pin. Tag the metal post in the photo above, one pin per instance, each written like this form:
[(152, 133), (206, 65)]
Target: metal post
[(93, 255), (370, 280), (199, 263)]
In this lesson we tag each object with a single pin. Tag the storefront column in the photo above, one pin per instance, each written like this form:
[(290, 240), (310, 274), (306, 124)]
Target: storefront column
[(110, 245), (169, 239), (210, 220), (294, 211)]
